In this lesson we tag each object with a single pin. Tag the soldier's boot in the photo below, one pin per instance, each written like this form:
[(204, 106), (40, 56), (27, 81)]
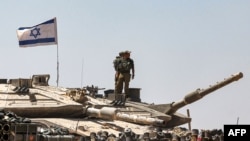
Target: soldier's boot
[(123, 100), (115, 100), (118, 103), (112, 102), (119, 100)]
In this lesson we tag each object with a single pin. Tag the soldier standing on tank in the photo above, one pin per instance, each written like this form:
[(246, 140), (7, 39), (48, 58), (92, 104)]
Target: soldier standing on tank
[(116, 62), (125, 68)]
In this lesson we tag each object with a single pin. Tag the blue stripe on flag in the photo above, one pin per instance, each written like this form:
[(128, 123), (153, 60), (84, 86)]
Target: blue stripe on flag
[(43, 40), (47, 22)]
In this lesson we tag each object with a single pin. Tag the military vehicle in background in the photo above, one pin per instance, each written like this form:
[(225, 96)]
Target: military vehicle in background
[(32, 110)]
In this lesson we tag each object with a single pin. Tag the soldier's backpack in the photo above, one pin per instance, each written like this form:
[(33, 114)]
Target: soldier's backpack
[(116, 62)]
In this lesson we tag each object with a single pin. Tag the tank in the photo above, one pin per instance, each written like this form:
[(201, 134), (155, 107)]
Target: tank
[(31, 109)]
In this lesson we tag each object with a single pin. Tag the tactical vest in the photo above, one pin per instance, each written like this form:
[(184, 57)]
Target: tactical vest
[(125, 65)]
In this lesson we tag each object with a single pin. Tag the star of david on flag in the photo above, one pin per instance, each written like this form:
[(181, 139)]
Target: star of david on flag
[(38, 35)]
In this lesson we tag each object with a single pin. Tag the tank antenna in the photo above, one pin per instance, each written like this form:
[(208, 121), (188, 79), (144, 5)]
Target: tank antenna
[(82, 71), (189, 123)]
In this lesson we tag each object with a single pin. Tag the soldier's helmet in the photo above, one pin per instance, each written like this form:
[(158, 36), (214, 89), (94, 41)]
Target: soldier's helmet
[(127, 52), (121, 53)]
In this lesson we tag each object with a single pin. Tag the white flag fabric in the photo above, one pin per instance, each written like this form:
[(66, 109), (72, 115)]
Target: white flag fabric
[(38, 35)]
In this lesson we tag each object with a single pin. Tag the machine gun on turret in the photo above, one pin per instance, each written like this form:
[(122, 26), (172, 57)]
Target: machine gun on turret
[(93, 90)]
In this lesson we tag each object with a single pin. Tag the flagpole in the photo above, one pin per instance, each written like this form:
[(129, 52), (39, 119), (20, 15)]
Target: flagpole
[(82, 72), (57, 63), (57, 79)]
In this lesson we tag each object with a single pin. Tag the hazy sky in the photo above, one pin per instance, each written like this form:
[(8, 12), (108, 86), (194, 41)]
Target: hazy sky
[(177, 46)]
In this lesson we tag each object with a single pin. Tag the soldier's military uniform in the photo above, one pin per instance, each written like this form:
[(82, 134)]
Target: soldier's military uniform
[(124, 68)]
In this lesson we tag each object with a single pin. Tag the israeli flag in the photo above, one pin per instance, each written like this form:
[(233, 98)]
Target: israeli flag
[(38, 35)]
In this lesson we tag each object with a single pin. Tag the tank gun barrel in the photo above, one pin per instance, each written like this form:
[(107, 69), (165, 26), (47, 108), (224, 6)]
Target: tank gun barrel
[(140, 119), (114, 114), (199, 93)]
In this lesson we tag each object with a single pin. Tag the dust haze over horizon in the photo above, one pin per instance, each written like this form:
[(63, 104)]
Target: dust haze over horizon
[(177, 47)]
